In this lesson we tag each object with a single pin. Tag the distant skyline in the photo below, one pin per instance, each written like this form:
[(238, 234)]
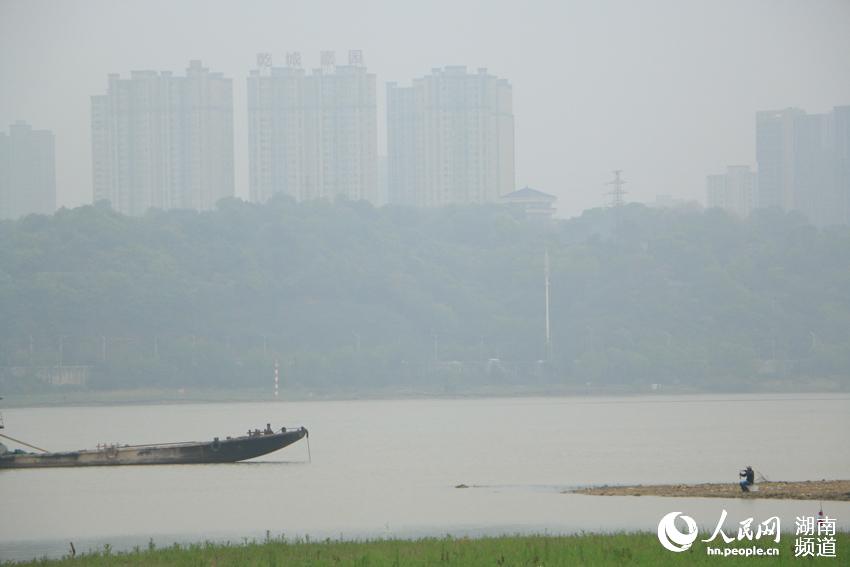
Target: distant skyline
[(666, 90)]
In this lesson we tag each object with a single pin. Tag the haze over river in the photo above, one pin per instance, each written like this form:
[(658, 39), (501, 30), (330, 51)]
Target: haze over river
[(389, 468)]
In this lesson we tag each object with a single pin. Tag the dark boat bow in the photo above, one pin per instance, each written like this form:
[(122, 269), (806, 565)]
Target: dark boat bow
[(229, 450)]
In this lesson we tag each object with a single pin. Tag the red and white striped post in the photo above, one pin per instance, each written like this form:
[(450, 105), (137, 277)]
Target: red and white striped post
[(276, 377)]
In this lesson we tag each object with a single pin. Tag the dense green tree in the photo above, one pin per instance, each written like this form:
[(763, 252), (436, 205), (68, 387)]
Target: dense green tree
[(347, 296)]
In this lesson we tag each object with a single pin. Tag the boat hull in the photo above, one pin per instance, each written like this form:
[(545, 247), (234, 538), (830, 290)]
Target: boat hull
[(216, 451)]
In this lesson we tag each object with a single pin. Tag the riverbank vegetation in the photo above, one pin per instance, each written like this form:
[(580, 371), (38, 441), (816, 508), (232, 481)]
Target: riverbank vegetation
[(349, 297), (579, 550)]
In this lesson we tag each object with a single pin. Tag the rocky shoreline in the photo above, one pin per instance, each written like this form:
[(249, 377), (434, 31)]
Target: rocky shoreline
[(832, 490)]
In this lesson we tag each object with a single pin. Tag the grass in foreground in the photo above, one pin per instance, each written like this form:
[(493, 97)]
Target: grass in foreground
[(580, 550)]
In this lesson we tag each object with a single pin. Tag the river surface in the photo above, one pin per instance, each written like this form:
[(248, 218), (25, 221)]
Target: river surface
[(384, 468)]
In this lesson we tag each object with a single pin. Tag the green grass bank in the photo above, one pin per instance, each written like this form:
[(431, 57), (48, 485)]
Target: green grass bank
[(579, 550)]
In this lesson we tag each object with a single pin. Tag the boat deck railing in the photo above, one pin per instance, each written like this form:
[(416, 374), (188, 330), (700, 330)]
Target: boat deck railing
[(177, 443), (101, 447), (109, 446)]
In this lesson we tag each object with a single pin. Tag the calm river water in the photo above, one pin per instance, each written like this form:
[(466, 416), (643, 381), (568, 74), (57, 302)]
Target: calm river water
[(389, 468)]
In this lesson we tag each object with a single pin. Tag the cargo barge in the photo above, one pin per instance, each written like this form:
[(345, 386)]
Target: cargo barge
[(229, 450)]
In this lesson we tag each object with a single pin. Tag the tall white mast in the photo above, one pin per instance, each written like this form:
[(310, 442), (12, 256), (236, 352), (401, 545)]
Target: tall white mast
[(546, 280)]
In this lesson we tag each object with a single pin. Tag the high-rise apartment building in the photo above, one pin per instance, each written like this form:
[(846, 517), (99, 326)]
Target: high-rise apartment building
[(450, 139), (814, 188), (799, 159), (27, 172), (775, 157), (313, 135), (733, 191), (163, 141), (841, 159)]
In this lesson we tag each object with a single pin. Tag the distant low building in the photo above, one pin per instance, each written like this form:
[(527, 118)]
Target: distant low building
[(27, 172), (733, 191), (535, 204), (77, 375)]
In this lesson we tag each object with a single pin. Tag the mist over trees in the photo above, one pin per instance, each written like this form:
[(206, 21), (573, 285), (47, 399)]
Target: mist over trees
[(347, 297)]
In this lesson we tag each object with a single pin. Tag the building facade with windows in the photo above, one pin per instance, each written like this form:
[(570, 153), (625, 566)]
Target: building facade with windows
[(313, 136), (450, 139), (802, 163), (27, 172), (163, 141)]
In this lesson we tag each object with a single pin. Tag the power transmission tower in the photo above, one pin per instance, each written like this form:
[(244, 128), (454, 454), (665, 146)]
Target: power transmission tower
[(617, 194)]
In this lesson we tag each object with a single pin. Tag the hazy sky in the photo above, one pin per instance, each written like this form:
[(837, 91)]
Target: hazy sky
[(665, 90)]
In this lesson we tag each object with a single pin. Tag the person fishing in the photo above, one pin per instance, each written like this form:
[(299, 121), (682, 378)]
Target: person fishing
[(748, 478)]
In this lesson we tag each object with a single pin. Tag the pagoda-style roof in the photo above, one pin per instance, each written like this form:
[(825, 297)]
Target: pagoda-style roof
[(529, 194)]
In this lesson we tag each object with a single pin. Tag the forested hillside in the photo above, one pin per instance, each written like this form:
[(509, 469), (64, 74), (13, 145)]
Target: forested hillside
[(351, 297)]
